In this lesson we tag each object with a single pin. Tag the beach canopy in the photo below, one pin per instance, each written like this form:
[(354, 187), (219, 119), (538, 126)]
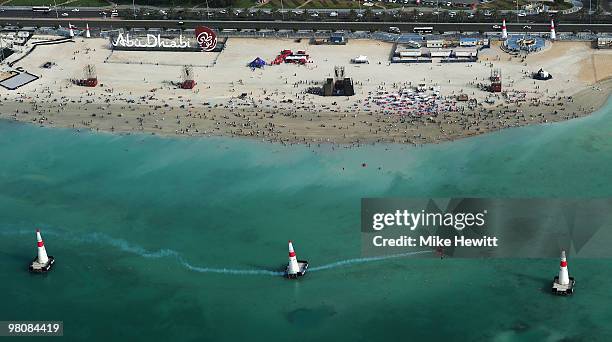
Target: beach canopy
[(257, 63), (360, 59)]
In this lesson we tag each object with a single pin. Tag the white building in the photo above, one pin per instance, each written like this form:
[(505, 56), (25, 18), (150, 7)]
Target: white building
[(435, 43), (604, 43), (360, 60)]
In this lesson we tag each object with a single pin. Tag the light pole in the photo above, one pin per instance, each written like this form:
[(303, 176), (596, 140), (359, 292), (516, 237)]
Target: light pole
[(134, 7), (55, 5), (1, 51), (517, 12)]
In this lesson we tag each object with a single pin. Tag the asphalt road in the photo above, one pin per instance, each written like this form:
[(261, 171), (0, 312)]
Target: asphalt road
[(295, 25), (28, 13)]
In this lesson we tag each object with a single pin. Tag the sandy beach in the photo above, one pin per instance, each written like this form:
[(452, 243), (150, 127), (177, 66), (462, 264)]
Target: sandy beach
[(138, 92)]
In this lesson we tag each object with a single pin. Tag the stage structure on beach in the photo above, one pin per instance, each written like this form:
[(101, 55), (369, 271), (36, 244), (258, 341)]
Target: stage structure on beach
[(90, 77), (496, 81), (339, 85), (187, 79)]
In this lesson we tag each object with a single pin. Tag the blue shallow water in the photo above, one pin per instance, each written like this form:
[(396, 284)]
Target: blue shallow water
[(165, 238)]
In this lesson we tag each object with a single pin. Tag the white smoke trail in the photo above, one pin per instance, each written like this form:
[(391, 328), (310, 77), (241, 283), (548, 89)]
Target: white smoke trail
[(127, 247), (349, 262), (229, 270)]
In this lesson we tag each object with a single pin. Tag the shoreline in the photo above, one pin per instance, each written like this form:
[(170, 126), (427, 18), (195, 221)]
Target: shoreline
[(282, 126), (393, 102)]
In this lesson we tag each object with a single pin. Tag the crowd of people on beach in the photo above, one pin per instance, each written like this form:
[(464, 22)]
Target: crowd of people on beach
[(415, 112), (393, 112)]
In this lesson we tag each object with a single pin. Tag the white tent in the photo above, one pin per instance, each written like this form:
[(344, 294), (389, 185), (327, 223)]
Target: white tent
[(360, 60)]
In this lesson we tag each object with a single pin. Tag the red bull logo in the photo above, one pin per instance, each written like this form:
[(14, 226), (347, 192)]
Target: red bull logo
[(206, 37)]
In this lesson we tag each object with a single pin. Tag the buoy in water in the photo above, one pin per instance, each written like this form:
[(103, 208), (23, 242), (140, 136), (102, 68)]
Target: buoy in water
[(295, 268), (42, 263), (563, 284)]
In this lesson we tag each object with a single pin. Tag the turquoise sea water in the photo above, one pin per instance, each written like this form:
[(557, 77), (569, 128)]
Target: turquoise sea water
[(162, 238)]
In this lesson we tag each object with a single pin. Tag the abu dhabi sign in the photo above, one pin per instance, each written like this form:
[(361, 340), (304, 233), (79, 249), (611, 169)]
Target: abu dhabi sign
[(205, 38), (150, 41)]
